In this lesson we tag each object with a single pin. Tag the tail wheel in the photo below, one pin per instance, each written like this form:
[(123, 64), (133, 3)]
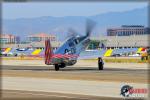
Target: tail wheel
[(56, 67)]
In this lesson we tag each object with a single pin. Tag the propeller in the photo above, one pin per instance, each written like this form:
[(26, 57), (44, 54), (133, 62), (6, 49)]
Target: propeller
[(89, 27), (90, 24), (72, 32)]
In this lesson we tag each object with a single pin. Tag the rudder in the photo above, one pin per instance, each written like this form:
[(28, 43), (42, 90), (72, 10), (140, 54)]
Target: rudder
[(48, 52)]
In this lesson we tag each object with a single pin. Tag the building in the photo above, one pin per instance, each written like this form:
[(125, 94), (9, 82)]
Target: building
[(41, 37), (9, 38), (37, 41), (132, 41), (127, 30)]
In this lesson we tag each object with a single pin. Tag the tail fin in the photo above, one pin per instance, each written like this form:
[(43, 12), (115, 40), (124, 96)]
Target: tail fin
[(48, 52)]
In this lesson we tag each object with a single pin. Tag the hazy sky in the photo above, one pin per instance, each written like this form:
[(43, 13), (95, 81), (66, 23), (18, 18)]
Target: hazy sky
[(59, 9)]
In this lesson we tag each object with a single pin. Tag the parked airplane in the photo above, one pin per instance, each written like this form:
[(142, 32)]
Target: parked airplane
[(68, 53), (22, 49)]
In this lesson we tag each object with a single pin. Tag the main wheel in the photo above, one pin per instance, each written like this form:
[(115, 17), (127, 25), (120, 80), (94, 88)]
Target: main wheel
[(56, 67), (100, 67)]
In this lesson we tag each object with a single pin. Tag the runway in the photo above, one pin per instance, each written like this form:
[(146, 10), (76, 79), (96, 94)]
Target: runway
[(80, 87), (78, 82), (79, 73), (19, 94)]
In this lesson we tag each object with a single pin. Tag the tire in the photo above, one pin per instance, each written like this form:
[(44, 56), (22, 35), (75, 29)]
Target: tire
[(100, 67), (56, 67)]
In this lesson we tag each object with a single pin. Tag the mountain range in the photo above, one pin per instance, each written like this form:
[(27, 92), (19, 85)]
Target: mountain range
[(59, 25)]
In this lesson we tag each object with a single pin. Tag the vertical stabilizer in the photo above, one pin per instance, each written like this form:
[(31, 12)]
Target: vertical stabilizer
[(48, 52)]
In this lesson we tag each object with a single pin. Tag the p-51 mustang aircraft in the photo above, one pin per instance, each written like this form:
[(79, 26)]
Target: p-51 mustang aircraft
[(68, 53)]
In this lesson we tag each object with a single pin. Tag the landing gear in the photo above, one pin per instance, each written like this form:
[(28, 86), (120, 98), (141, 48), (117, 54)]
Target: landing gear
[(100, 63), (56, 67), (100, 67), (62, 65)]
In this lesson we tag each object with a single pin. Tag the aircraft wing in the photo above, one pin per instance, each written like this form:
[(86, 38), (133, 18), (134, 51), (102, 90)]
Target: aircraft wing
[(89, 54)]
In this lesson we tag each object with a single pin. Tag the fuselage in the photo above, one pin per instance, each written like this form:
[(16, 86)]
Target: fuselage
[(70, 50)]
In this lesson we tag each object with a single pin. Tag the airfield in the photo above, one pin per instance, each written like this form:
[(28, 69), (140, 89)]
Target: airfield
[(83, 81)]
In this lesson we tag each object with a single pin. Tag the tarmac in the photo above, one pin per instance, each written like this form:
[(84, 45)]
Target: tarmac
[(83, 81)]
